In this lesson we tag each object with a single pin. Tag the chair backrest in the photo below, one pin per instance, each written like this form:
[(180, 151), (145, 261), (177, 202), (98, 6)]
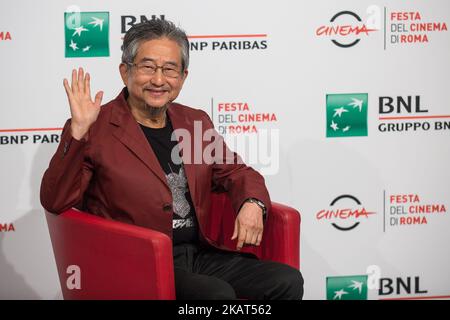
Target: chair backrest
[(109, 259)]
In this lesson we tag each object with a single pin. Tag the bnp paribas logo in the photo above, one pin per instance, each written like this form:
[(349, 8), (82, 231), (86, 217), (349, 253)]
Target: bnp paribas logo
[(86, 34), (347, 288), (347, 115)]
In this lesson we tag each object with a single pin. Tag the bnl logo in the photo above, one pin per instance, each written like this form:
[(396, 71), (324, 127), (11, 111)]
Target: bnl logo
[(346, 115), (356, 287), (86, 34)]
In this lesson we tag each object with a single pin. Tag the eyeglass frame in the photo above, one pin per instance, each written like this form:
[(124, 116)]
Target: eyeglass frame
[(155, 69)]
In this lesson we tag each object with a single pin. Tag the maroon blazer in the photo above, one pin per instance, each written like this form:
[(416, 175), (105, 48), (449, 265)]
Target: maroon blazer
[(114, 173)]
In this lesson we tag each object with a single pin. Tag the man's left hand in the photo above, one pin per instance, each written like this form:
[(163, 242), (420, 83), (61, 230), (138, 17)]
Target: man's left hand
[(248, 226)]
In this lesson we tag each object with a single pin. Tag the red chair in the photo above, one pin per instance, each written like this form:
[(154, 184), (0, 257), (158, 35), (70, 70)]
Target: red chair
[(122, 261)]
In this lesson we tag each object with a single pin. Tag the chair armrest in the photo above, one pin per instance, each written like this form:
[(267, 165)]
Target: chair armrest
[(281, 239), (116, 260)]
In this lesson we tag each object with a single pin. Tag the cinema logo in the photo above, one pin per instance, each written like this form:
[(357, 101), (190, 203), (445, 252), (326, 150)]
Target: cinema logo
[(229, 42), (408, 114), (7, 227), (346, 28), (410, 209), (11, 138), (5, 35), (345, 213), (411, 28)]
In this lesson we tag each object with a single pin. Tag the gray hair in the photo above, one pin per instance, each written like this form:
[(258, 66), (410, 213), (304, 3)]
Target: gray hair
[(154, 29)]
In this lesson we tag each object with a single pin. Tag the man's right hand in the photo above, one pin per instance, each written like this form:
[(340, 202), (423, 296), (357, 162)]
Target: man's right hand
[(84, 111)]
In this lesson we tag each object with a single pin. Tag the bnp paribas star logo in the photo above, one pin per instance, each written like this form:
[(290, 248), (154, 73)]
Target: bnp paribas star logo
[(347, 288), (86, 34), (347, 115)]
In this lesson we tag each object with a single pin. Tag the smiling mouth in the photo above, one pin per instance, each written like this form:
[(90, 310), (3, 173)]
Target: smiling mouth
[(156, 92)]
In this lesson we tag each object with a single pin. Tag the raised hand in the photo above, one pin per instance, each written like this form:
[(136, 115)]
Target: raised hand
[(84, 111)]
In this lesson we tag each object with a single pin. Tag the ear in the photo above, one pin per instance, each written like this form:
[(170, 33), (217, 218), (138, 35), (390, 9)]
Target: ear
[(123, 68), (184, 76)]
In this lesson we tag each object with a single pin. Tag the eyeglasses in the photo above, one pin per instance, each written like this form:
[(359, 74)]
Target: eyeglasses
[(148, 68)]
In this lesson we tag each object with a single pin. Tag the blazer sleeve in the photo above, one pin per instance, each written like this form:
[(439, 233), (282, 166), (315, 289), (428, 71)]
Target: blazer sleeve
[(230, 173), (68, 174)]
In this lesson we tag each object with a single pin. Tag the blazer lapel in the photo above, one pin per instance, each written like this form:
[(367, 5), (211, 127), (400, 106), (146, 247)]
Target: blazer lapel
[(130, 134)]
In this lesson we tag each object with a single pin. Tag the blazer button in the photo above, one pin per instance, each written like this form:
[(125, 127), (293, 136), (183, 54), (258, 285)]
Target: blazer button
[(167, 207)]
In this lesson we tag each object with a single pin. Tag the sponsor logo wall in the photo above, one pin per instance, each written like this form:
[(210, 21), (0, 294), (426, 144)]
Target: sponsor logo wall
[(346, 102)]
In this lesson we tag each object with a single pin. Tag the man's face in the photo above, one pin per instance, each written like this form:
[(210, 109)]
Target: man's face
[(155, 90)]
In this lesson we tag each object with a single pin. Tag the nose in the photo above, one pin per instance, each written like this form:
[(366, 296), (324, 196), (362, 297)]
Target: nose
[(158, 78)]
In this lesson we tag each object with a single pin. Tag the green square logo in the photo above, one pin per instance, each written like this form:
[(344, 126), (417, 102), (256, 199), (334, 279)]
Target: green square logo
[(347, 288), (86, 34), (347, 115)]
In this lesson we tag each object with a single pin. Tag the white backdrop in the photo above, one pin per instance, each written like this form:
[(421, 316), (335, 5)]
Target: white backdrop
[(272, 56)]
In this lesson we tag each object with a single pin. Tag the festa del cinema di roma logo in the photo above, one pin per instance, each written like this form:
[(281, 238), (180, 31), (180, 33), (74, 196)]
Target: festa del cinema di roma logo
[(346, 115), (86, 34), (345, 217)]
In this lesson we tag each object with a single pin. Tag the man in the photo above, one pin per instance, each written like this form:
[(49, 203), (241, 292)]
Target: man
[(119, 161)]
